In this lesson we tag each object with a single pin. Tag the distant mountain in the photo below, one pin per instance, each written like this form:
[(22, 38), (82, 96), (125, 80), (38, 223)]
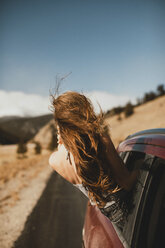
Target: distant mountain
[(8, 118), (14, 128)]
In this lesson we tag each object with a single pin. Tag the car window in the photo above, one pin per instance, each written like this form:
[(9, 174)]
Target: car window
[(141, 161), (156, 237), (149, 231), (145, 223)]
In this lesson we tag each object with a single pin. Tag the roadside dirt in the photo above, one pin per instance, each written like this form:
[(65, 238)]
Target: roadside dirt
[(21, 184)]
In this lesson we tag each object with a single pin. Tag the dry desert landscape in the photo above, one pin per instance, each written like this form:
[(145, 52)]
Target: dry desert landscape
[(147, 116), (23, 180)]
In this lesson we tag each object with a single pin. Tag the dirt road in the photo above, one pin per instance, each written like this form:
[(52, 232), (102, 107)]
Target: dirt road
[(57, 219)]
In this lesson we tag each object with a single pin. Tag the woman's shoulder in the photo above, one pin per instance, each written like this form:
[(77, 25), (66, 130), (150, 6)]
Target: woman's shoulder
[(57, 158)]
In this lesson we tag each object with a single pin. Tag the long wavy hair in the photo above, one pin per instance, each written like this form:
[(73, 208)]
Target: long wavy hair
[(81, 130)]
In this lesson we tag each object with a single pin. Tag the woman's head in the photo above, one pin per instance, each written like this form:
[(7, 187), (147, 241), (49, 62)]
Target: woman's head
[(80, 131), (75, 116), (72, 110)]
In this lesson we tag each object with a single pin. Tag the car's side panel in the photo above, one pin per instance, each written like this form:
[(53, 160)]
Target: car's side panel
[(99, 231)]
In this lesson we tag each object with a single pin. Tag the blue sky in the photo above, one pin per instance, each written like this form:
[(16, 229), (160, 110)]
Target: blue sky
[(115, 47)]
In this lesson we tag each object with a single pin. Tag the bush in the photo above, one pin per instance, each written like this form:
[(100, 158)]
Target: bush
[(119, 117), (138, 102), (129, 110), (160, 90), (114, 111), (22, 148), (53, 142), (118, 110), (149, 96), (108, 113), (37, 148)]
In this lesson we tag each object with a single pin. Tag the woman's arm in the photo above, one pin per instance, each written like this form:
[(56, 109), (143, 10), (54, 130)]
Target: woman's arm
[(59, 162), (123, 177)]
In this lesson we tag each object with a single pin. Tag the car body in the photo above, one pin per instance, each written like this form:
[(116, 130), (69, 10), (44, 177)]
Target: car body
[(144, 226)]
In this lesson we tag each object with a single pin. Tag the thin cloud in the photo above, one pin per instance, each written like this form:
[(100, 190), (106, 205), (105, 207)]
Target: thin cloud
[(22, 104), (107, 100)]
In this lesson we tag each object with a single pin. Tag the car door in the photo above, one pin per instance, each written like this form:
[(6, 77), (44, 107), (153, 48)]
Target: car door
[(142, 226)]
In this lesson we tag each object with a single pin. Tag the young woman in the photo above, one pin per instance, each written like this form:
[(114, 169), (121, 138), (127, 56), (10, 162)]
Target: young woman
[(86, 156)]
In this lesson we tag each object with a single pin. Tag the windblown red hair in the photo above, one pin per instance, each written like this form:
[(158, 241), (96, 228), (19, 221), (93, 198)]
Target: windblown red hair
[(81, 131)]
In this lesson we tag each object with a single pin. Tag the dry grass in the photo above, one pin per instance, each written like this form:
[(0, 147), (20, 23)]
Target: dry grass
[(149, 115), (11, 165), (16, 173)]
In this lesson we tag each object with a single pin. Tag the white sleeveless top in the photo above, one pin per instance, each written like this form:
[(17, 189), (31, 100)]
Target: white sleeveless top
[(85, 192)]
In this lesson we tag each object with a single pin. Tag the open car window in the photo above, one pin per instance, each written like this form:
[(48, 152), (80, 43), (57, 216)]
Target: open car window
[(150, 229), (143, 226), (143, 162)]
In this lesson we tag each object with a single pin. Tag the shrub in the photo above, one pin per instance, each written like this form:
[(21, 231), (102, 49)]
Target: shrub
[(114, 111), (129, 110), (119, 117), (149, 96), (138, 101), (53, 142), (160, 90), (22, 148), (37, 148)]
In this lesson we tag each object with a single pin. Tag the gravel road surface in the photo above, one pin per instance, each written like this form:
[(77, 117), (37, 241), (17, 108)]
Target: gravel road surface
[(57, 219)]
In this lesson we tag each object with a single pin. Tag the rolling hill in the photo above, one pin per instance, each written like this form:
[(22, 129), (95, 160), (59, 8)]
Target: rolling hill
[(146, 116), (14, 129)]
